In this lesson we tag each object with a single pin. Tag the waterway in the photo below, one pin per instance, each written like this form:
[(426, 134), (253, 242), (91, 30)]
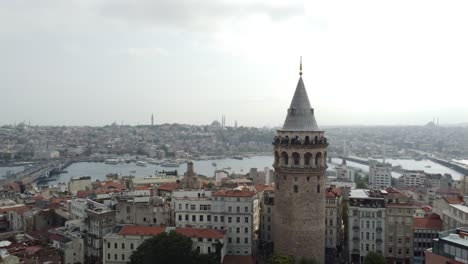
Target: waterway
[(98, 170), (5, 170)]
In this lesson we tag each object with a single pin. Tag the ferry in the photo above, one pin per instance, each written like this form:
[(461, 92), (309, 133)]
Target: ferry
[(112, 161), (141, 163), (170, 164), (238, 157)]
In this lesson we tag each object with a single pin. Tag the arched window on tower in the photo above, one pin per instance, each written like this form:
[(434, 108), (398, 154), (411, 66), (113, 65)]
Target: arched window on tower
[(306, 140), (296, 158), (318, 188), (296, 188), (307, 158), (318, 159), (284, 158), (316, 140)]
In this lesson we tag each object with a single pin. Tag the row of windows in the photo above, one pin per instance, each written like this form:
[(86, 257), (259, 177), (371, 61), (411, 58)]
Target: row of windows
[(399, 250), (116, 245), (201, 218), (115, 256), (207, 207), (238, 240)]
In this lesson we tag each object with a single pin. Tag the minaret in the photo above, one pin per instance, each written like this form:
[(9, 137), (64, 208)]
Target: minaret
[(300, 151), (152, 120)]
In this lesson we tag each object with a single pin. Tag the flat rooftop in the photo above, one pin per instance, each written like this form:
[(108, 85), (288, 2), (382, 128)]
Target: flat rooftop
[(460, 207)]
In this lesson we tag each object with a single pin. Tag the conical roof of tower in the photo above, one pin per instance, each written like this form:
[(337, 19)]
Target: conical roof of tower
[(300, 114)]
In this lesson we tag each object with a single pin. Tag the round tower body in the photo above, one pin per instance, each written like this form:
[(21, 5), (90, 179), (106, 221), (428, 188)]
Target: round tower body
[(300, 163)]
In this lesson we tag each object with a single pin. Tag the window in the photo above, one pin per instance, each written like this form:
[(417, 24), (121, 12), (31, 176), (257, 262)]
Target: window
[(216, 218), (115, 245), (180, 206), (229, 209), (131, 246), (180, 217), (209, 250), (208, 218), (144, 219), (390, 250), (194, 218), (238, 230), (123, 256), (154, 220), (246, 219), (186, 217), (246, 209), (108, 245), (123, 245), (193, 207), (201, 218), (407, 240), (238, 209), (246, 240), (186, 206), (222, 218), (246, 230), (318, 188), (238, 240), (296, 188), (238, 219), (108, 256), (230, 240), (115, 256), (229, 219)]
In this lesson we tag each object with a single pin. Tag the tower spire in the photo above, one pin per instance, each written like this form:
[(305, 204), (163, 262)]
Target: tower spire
[(300, 67)]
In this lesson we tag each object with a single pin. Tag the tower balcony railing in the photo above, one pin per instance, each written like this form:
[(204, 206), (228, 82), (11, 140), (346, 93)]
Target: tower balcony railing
[(296, 141)]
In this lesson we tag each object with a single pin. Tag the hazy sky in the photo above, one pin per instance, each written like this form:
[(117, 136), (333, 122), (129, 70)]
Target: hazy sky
[(91, 62)]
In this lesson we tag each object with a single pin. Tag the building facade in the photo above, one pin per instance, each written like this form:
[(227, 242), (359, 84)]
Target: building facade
[(237, 211), (380, 175), (425, 228), (455, 216), (300, 151), (99, 222), (366, 220), (333, 224), (399, 232), (450, 247)]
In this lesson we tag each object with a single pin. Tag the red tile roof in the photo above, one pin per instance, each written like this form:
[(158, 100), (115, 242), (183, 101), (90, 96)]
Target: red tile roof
[(332, 192), (230, 259), (201, 233), (168, 187), (234, 193), (431, 221), (20, 209), (454, 200), (142, 230)]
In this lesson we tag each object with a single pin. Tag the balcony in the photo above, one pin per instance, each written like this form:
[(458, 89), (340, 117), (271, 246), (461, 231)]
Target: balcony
[(379, 229), (356, 228)]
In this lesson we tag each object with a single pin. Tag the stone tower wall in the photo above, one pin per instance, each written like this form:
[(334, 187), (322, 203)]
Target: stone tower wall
[(300, 171)]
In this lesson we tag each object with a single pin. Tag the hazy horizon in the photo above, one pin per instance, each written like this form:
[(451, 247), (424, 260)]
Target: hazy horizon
[(87, 62)]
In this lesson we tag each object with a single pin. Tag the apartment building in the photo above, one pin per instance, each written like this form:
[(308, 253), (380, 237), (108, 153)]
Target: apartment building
[(119, 246), (425, 229), (380, 174), (366, 219), (333, 224), (236, 211), (455, 216), (399, 232)]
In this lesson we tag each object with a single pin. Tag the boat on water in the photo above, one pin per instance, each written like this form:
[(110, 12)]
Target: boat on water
[(214, 164), (237, 157), (227, 168), (141, 163), (170, 164), (112, 161), (427, 166), (132, 171)]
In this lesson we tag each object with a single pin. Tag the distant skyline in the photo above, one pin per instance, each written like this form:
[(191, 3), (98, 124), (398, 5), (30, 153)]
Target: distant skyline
[(88, 62)]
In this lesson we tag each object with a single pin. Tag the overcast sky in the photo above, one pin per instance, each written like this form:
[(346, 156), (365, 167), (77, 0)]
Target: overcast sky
[(91, 62)]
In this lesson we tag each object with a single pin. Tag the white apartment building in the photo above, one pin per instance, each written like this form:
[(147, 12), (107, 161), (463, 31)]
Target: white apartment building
[(142, 210), (455, 216), (79, 184), (412, 178), (380, 175), (236, 211), (366, 219), (118, 247)]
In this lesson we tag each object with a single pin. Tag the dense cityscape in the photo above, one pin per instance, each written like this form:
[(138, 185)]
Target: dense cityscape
[(355, 211)]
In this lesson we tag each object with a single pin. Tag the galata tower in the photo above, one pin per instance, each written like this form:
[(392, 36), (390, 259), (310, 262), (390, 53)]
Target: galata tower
[(300, 151)]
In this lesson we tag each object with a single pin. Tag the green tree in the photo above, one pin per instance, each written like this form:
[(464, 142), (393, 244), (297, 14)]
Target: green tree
[(170, 248), (280, 259), (374, 258)]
